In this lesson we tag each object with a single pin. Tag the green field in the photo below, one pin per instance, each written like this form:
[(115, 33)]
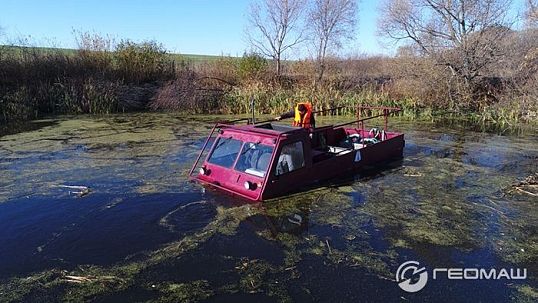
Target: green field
[(198, 58), (193, 58)]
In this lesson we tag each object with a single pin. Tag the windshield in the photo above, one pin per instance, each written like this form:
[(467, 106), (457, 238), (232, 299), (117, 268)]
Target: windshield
[(225, 152), (254, 159)]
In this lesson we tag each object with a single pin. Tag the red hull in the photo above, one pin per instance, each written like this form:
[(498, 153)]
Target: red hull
[(316, 156), (335, 167)]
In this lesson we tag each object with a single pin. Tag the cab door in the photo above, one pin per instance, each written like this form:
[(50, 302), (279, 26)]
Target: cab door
[(290, 168)]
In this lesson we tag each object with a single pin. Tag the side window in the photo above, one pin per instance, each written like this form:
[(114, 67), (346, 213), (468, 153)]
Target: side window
[(225, 152), (291, 158)]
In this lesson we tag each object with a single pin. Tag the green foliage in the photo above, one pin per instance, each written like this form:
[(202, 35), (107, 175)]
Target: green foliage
[(141, 62), (103, 76), (251, 65), (16, 103), (276, 100), (38, 81)]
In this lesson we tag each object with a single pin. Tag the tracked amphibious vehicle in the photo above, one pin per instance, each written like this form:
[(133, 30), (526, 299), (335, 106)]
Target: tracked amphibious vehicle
[(264, 160)]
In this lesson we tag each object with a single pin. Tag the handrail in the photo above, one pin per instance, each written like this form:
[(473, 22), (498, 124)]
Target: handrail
[(378, 107), (232, 121), (359, 120), (265, 121), (203, 148), (387, 110), (329, 109), (315, 112)]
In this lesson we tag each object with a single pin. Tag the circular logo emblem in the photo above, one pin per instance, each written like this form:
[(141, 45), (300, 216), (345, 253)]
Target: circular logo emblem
[(411, 277)]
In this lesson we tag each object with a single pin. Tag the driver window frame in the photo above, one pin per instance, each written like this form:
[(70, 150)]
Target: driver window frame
[(277, 159)]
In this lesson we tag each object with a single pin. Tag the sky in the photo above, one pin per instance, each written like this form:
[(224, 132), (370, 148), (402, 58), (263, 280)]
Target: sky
[(209, 27)]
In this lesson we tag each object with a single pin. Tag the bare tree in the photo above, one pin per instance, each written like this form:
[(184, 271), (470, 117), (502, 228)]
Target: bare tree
[(275, 27), (463, 35), (331, 22), (2, 43), (531, 13)]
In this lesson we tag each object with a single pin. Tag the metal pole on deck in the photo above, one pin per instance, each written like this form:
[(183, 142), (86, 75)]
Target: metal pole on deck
[(252, 109), (386, 114), (358, 116)]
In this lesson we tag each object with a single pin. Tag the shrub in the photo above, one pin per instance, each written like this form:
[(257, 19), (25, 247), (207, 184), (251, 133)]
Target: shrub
[(251, 66), (142, 62)]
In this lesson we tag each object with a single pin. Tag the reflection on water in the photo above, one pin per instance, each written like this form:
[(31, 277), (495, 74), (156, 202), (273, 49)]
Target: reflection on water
[(144, 233)]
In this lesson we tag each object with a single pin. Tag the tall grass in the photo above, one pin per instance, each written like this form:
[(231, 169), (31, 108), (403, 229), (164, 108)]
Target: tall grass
[(277, 100), (38, 81), (103, 76)]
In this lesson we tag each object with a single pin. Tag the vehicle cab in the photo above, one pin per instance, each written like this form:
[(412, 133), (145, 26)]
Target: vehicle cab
[(243, 159)]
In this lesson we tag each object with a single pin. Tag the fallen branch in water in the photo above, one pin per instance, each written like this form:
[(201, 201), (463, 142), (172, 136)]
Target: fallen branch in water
[(499, 212), (77, 279), (83, 190), (526, 192), (528, 183), (86, 279), (74, 186)]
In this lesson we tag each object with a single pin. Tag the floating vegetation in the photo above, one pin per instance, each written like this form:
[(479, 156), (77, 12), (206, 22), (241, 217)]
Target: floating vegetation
[(455, 193), (185, 292), (526, 293), (97, 151)]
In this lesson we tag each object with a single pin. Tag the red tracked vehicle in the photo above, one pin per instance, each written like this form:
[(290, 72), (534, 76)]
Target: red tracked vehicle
[(266, 160)]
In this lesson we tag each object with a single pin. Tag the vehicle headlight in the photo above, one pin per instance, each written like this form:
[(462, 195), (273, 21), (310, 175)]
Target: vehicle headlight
[(249, 185), (204, 171)]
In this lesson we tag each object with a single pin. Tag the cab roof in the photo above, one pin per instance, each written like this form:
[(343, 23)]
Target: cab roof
[(271, 129)]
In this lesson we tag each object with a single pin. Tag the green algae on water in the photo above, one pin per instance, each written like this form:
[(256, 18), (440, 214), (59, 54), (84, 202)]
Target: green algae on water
[(449, 192)]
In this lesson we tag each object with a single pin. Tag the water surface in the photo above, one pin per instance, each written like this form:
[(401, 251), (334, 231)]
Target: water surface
[(145, 234)]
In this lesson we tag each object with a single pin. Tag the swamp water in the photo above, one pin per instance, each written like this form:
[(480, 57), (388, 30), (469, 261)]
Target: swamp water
[(144, 233)]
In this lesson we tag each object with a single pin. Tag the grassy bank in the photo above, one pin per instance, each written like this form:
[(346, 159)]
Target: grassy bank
[(94, 79), (102, 77)]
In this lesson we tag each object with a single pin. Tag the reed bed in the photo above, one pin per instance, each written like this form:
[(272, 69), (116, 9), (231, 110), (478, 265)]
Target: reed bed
[(102, 77), (92, 79)]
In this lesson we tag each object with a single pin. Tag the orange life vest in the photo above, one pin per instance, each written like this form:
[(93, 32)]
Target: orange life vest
[(303, 121)]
